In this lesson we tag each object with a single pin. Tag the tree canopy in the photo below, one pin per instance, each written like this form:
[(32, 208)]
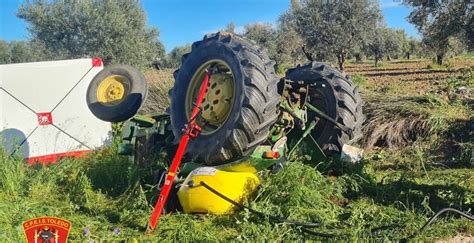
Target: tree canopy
[(112, 29), (264, 35), (440, 20), (336, 27), (22, 51), (173, 59)]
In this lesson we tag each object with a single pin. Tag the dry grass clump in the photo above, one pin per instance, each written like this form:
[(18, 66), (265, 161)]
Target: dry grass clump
[(391, 125), (159, 83), (394, 122)]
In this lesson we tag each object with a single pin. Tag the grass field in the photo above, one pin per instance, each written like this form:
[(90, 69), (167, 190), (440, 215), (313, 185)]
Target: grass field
[(419, 159)]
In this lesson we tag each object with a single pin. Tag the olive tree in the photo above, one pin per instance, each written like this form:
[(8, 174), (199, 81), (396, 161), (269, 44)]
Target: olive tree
[(394, 42), (264, 35), (439, 20), (469, 35), (376, 44), (112, 29), (338, 27), (173, 59), (231, 27), (414, 48), (5, 52), (21, 51), (289, 43)]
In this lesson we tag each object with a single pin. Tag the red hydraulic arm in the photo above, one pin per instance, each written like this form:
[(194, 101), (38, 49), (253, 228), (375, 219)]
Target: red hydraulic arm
[(191, 130)]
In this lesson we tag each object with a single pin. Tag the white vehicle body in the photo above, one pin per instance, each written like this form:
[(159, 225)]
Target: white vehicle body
[(43, 110)]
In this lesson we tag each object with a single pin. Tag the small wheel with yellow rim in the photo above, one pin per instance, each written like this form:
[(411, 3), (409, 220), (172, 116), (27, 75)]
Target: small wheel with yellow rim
[(116, 93)]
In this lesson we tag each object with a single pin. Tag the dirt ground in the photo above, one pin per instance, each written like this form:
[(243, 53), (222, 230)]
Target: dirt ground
[(415, 75)]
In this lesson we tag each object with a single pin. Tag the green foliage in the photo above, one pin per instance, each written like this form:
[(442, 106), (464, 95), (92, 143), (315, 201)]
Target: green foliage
[(439, 21), (105, 191), (113, 30), (414, 47), (100, 189), (5, 52), (288, 41), (434, 66), (387, 42), (173, 59), (265, 35), (426, 130), (307, 196), (464, 81), (394, 42), (359, 79), (336, 28), (282, 43), (230, 27), (23, 51)]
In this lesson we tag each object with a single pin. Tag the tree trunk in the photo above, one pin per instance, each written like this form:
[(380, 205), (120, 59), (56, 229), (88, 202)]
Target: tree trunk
[(388, 58), (408, 55), (376, 56), (340, 61), (343, 61), (358, 57), (439, 59)]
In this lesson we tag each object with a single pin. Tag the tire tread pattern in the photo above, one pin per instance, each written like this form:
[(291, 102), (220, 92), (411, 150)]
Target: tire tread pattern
[(348, 102), (259, 106)]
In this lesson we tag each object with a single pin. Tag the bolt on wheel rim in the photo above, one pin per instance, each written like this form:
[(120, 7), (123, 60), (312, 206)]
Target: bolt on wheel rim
[(219, 98)]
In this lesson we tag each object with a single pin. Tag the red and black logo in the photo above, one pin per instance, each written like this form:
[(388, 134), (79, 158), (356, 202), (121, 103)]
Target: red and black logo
[(46, 230)]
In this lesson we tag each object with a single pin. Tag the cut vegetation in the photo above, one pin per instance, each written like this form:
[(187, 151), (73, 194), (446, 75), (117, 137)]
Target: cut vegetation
[(419, 160)]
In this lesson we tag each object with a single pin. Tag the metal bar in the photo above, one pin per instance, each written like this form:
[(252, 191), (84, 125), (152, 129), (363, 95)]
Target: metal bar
[(326, 117), (306, 132), (292, 112), (320, 150), (189, 133)]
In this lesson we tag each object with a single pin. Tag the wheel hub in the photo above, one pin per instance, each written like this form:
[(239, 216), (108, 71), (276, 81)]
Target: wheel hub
[(217, 102), (112, 90), (219, 98)]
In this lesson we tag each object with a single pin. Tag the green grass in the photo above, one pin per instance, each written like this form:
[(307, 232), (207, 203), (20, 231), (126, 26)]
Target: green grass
[(433, 127), (467, 55), (438, 67), (388, 196), (104, 191), (359, 79)]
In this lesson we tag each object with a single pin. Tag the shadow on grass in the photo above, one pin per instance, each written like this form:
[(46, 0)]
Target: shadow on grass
[(419, 191), (417, 196)]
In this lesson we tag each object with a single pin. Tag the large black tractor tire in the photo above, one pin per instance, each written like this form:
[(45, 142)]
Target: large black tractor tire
[(255, 98), (102, 98), (338, 97)]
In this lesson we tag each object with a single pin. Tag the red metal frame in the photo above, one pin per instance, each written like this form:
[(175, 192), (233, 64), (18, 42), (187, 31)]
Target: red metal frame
[(191, 130), (52, 158)]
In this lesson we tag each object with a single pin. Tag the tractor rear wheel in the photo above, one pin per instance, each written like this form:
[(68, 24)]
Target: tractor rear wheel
[(338, 97), (241, 101)]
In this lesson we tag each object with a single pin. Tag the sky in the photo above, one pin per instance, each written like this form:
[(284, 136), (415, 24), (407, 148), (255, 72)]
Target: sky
[(185, 21)]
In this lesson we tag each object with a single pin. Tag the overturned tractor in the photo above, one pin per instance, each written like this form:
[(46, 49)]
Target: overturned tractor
[(248, 119)]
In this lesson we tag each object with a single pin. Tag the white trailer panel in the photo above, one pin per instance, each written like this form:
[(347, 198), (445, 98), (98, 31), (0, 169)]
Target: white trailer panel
[(43, 110)]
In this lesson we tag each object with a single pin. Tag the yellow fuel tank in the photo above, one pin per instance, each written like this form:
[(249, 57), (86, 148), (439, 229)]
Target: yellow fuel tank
[(195, 198)]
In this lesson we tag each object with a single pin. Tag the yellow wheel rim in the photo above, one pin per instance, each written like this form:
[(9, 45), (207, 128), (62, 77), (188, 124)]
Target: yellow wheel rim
[(113, 89), (219, 98)]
